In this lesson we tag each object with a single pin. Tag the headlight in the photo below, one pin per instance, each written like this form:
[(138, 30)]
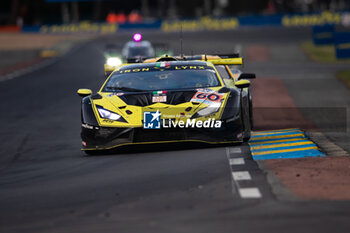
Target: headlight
[(108, 114), (212, 108), (114, 61)]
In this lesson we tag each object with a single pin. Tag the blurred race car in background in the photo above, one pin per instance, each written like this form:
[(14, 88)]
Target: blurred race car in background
[(133, 51), (169, 100)]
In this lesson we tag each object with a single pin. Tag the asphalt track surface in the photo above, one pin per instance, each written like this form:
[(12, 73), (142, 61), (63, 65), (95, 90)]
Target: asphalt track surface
[(48, 185)]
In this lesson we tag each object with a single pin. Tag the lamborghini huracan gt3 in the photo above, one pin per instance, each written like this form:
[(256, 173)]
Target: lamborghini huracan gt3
[(164, 102)]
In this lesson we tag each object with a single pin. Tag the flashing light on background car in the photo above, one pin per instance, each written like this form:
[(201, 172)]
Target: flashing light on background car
[(114, 61), (137, 37)]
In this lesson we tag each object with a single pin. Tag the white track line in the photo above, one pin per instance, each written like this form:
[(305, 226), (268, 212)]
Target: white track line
[(242, 175), (26, 70), (237, 161), (41, 64), (245, 193), (249, 193), (235, 150)]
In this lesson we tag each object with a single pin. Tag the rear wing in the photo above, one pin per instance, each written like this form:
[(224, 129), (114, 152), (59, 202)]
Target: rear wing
[(227, 61), (218, 59), (228, 55), (214, 60)]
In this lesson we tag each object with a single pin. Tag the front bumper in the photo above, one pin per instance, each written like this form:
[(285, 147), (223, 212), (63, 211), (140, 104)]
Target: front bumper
[(103, 138)]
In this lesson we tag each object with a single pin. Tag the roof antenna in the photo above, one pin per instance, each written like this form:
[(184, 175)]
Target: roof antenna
[(181, 39)]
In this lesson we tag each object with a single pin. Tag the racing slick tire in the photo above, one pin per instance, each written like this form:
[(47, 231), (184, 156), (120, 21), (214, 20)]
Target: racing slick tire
[(247, 129), (92, 152)]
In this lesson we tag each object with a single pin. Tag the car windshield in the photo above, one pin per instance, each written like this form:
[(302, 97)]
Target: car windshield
[(139, 52), (125, 80)]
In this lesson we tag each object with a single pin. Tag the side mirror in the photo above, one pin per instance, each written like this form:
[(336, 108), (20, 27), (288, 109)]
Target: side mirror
[(84, 92), (242, 84), (247, 76)]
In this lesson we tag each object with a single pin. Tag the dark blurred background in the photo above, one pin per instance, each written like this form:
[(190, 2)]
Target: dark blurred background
[(29, 12)]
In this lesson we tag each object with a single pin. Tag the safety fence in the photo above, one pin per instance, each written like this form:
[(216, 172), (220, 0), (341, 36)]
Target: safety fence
[(202, 24), (328, 35)]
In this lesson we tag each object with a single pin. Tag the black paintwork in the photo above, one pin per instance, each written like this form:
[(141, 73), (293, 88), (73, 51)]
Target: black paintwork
[(87, 113)]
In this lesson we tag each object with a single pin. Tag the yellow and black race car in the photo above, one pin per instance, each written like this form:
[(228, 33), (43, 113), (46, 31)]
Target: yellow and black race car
[(166, 101)]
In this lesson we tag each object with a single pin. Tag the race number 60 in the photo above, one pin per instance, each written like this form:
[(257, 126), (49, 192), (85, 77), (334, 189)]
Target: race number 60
[(209, 96)]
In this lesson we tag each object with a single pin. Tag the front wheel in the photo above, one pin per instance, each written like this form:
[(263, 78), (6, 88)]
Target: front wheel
[(246, 136), (92, 152), (247, 128)]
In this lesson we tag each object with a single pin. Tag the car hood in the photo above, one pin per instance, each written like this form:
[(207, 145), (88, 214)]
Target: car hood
[(179, 105)]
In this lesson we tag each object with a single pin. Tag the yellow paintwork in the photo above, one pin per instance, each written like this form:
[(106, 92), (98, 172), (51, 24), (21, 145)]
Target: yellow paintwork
[(110, 69), (84, 92), (234, 77), (209, 57), (228, 61), (242, 82)]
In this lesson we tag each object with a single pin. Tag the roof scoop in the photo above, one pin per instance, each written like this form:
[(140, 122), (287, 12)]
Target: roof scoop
[(167, 58)]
